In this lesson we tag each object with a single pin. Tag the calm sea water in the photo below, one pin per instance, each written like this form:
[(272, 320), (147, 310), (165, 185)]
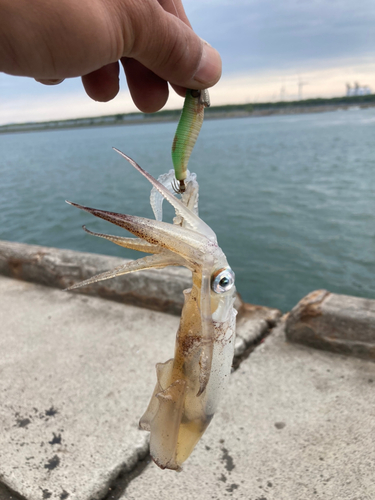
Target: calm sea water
[(291, 198)]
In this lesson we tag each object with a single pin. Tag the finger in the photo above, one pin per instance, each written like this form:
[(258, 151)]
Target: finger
[(149, 92), (172, 50), (51, 81), (176, 8), (103, 84), (181, 91), (145, 99)]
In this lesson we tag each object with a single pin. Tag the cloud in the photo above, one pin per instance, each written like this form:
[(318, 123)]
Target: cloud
[(263, 33), (320, 80), (266, 45), (68, 105)]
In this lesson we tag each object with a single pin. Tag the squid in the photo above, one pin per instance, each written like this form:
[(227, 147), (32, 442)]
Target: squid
[(190, 385)]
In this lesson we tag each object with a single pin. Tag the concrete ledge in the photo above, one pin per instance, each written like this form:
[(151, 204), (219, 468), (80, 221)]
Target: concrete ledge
[(160, 290), (337, 323), (156, 289)]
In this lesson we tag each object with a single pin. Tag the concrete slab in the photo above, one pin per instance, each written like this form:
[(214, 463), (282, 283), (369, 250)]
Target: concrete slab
[(296, 424), (76, 373)]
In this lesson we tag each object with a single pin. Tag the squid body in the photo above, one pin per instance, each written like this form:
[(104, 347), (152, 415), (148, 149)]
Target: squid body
[(189, 386)]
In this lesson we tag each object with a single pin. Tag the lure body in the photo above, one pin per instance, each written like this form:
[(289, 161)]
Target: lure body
[(188, 129), (189, 386)]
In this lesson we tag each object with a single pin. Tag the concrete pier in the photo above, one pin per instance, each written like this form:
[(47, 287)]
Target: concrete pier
[(77, 372)]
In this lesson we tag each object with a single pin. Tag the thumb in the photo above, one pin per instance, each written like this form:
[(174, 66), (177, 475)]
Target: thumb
[(171, 49)]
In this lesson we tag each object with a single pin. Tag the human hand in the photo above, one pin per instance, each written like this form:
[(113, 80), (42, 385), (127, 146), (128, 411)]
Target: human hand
[(50, 41)]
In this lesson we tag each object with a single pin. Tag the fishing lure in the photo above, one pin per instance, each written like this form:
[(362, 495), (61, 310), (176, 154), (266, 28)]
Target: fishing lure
[(190, 385), (187, 132)]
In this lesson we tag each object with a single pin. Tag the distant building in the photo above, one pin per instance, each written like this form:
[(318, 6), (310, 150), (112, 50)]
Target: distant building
[(357, 89)]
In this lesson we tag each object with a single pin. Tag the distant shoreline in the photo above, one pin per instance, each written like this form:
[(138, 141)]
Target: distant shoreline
[(214, 113)]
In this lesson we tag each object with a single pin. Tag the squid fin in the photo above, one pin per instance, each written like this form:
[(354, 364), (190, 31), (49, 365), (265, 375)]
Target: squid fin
[(163, 377), (163, 416)]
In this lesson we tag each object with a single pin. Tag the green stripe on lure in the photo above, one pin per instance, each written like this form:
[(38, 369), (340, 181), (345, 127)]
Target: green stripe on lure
[(187, 132)]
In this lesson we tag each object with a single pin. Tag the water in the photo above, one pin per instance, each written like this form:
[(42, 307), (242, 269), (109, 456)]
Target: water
[(291, 198)]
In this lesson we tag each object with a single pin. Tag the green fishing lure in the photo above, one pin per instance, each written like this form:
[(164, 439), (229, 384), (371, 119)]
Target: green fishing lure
[(187, 132)]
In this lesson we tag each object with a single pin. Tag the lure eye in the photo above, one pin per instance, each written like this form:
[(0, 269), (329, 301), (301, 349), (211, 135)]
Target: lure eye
[(222, 280)]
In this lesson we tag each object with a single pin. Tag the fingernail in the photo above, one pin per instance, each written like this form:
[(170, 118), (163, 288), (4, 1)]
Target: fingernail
[(209, 69), (50, 81)]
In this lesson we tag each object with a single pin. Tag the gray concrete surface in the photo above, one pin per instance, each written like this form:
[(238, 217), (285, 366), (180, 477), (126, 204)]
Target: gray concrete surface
[(76, 373), (333, 322), (296, 424)]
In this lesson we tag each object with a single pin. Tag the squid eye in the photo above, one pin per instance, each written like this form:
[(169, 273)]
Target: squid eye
[(222, 280)]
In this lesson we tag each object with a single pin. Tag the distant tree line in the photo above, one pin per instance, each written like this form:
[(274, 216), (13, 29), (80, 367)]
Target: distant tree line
[(250, 107), (173, 114)]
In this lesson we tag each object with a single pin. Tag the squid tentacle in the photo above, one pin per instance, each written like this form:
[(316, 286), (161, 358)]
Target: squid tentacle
[(150, 262), (156, 232), (131, 243)]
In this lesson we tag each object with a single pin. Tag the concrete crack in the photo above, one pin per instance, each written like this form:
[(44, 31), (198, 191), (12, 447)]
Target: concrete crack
[(8, 494), (251, 346), (117, 489)]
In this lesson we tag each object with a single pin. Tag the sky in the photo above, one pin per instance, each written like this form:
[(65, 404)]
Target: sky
[(270, 49)]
